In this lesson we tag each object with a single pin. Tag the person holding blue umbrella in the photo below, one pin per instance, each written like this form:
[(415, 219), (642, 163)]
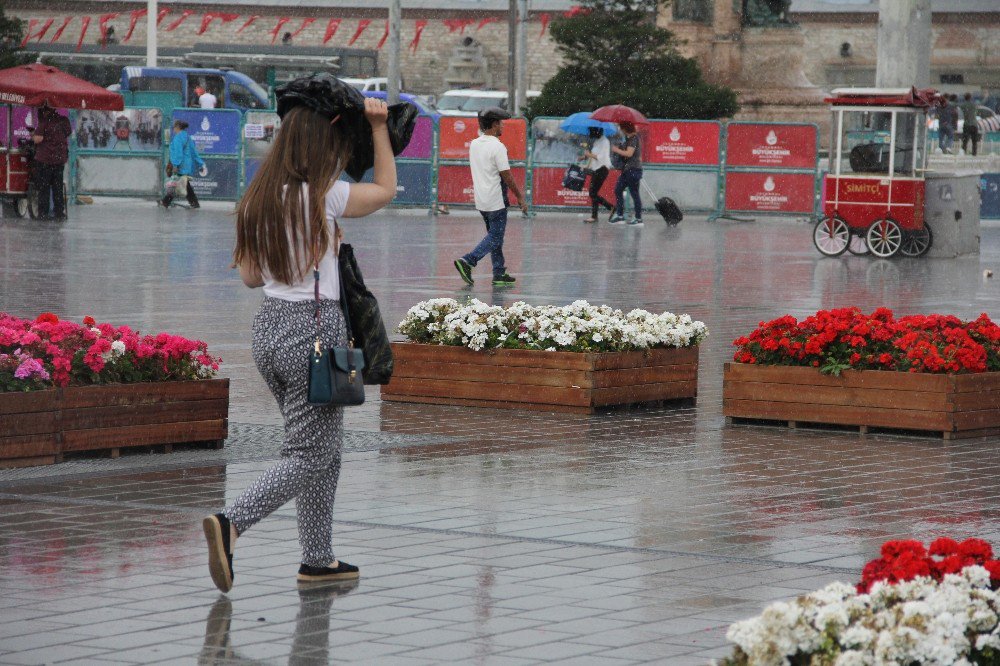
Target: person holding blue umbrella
[(599, 166), (599, 154)]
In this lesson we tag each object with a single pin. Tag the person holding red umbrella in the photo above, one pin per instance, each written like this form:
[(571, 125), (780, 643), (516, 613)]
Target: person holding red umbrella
[(630, 158), (630, 152)]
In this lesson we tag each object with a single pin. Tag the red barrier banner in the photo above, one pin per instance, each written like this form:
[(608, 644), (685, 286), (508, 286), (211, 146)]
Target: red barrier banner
[(457, 132), (670, 142), (771, 145), (455, 183), (775, 192), (547, 189)]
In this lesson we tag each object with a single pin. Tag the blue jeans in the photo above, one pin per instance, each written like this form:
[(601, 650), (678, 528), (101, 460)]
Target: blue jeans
[(946, 137), (629, 178), (492, 243)]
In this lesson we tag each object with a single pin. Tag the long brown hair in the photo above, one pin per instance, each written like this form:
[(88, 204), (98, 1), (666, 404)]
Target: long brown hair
[(270, 225)]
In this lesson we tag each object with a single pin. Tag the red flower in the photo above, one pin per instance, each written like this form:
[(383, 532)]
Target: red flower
[(89, 321), (944, 546), (47, 318)]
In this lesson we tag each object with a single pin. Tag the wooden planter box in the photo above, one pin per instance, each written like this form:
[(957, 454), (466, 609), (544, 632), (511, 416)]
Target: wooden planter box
[(540, 380), (38, 427), (953, 405)]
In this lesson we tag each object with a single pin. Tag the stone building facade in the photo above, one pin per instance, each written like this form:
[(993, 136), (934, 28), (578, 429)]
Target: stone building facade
[(840, 40), (425, 69)]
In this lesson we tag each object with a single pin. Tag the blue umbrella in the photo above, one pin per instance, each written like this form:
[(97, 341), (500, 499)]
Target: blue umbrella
[(580, 123)]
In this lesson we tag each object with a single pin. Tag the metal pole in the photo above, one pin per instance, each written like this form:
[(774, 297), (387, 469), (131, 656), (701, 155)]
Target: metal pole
[(522, 57), (395, 25), (511, 56), (151, 12)]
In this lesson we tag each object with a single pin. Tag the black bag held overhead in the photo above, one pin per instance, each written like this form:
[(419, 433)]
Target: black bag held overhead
[(367, 326), (574, 178), (335, 373)]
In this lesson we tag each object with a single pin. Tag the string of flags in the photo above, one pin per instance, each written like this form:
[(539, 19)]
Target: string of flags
[(39, 29)]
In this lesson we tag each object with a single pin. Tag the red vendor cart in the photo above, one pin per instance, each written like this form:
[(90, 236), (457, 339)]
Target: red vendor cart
[(874, 191), (36, 85)]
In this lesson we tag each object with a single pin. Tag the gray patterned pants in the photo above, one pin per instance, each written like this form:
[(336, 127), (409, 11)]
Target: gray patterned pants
[(283, 335)]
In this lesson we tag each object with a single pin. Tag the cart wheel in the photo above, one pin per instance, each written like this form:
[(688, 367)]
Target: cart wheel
[(858, 245), (21, 207), (31, 200), (884, 238), (917, 242), (831, 236)]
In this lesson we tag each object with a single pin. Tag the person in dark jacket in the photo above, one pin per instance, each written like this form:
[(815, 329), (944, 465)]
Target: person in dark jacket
[(970, 124), (947, 122), (51, 139), (184, 163)]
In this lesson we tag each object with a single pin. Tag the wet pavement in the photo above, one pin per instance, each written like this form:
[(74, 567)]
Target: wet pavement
[(483, 536)]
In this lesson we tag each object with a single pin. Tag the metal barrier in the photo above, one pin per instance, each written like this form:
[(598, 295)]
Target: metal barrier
[(669, 148), (769, 168), (117, 153), (989, 186), (217, 135)]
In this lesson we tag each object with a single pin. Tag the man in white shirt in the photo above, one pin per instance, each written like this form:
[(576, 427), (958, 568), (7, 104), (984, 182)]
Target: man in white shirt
[(490, 180), (208, 100)]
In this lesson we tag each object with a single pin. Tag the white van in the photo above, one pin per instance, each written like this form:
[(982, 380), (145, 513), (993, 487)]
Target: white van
[(377, 83), (469, 102)]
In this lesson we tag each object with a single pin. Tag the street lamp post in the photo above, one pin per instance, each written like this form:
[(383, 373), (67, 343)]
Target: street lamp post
[(151, 14)]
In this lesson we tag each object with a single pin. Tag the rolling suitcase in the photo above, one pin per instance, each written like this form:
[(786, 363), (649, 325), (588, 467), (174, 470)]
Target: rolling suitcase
[(665, 206)]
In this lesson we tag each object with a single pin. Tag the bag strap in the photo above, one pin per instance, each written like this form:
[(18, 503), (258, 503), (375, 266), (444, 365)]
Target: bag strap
[(343, 293)]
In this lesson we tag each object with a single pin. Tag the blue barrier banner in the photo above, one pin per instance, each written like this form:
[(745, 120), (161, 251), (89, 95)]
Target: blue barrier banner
[(214, 131), (250, 166), (413, 182), (989, 185), (222, 180)]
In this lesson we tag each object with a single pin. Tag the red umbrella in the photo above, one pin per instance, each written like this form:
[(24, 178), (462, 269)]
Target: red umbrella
[(619, 113), (36, 84)]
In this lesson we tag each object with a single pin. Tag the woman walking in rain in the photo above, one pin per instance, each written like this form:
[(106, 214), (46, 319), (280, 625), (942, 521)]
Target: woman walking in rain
[(286, 224)]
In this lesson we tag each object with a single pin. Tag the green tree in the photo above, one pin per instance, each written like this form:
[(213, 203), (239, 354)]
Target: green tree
[(11, 33), (616, 54)]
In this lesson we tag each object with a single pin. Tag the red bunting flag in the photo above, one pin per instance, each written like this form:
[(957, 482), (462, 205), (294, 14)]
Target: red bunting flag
[(331, 29), (27, 33), (249, 22), (278, 26), (83, 31), (576, 10), (362, 24), (458, 24), (45, 28), (485, 22), (132, 21), (544, 18), (62, 28), (103, 24), (207, 19), (305, 24), (183, 17), (419, 25), (160, 15), (385, 36)]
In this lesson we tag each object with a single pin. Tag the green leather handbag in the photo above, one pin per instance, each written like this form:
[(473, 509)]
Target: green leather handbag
[(335, 373)]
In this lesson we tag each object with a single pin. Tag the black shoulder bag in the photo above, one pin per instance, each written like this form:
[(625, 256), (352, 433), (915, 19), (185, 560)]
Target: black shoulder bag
[(335, 374), (369, 330)]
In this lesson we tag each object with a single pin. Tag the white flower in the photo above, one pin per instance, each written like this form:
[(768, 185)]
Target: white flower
[(117, 348), (96, 331)]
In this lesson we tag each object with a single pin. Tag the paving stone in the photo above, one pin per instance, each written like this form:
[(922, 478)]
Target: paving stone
[(483, 535)]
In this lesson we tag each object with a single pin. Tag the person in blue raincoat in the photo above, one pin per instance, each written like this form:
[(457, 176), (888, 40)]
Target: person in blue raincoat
[(183, 164)]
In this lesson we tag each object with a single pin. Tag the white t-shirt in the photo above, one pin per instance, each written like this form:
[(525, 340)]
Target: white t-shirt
[(487, 158), (207, 101), (601, 148), (329, 271)]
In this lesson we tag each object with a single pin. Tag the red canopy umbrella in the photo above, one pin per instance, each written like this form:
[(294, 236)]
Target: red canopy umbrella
[(619, 113), (36, 84)]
